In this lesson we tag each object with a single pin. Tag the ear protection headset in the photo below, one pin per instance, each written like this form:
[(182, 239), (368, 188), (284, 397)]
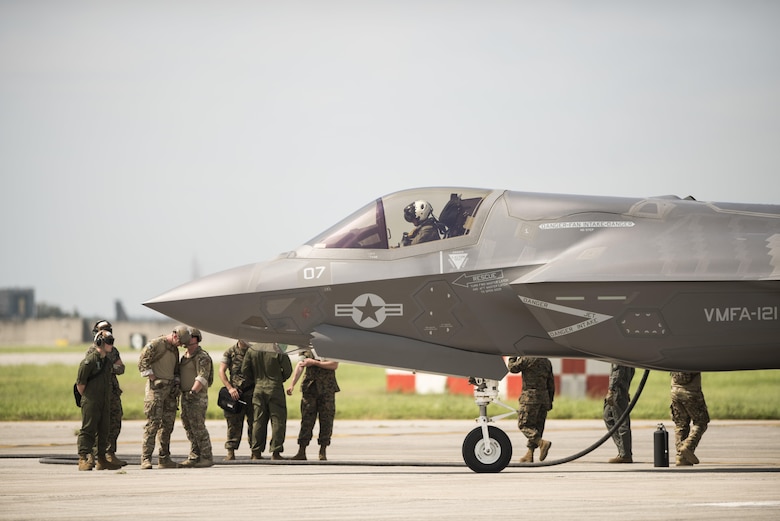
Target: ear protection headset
[(103, 338)]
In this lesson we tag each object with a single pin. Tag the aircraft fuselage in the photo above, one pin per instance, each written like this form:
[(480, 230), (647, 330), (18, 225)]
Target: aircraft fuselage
[(658, 283)]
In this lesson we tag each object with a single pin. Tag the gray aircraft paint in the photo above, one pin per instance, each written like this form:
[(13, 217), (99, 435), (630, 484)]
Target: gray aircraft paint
[(659, 283)]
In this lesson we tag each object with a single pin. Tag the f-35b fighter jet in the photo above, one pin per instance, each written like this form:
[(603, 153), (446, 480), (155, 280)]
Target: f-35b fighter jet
[(451, 280)]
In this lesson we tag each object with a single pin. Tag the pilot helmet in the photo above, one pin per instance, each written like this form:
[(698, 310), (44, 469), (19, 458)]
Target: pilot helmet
[(418, 211)]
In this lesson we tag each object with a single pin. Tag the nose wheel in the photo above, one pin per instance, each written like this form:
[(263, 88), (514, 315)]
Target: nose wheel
[(487, 454), (487, 448)]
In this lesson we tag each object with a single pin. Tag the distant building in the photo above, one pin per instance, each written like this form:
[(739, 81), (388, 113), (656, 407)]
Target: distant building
[(17, 303)]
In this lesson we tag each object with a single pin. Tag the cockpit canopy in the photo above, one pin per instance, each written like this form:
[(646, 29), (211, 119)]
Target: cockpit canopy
[(381, 224)]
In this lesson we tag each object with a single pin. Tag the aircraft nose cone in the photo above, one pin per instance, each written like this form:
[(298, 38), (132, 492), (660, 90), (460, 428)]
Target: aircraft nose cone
[(215, 303)]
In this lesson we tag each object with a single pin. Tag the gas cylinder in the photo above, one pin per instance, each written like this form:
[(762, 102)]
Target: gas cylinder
[(661, 446)]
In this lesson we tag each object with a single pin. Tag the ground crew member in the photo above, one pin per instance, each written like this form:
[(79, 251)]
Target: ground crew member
[(269, 369), (93, 382), (197, 374), (615, 404), (116, 412), (319, 390), (536, 399), (688, 407), (239, 388), (159, 362)]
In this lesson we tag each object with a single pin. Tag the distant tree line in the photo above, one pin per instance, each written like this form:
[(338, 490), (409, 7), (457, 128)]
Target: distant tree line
[(44, 310)]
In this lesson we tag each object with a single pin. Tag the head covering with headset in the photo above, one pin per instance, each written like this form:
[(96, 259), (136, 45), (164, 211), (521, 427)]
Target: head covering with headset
[(195, 333), (104, 337), (102, 325), (183, 332)]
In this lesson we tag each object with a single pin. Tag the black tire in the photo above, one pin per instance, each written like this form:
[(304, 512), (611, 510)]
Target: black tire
[(474, 450)]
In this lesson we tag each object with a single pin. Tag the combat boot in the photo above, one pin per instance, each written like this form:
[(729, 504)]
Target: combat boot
[(323, 457), (84, 462), (257, 455), (104, 464), (167, 463), (189, 463), (204, 463), (301, 456), (544, 448), (688, 455), (231, 455), (277, 456), (529, 457), (146, 464), (682, 462), (111, 457), (621, 459)]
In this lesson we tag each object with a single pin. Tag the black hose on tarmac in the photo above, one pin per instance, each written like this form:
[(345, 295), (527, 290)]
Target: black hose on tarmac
[(604, 438)]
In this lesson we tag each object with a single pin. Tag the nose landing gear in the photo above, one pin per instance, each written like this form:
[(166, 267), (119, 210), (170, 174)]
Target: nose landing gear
[(487, 448)]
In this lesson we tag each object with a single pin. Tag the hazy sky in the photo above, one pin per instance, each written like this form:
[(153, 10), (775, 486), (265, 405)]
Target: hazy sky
[(142, 142)]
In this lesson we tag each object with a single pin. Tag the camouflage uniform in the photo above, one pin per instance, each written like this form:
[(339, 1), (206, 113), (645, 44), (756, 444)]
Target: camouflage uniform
[(194, 405), (95, 373), (688, 406), (269, 371), (319, 388), (233, 358), (536, 397), (161, 358), (115, 403), (615, 404)]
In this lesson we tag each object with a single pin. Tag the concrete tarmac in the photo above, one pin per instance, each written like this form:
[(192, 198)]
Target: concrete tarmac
[(388, 470)]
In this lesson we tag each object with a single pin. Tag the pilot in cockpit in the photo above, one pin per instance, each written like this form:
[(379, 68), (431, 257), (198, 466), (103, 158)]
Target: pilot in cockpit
[(426, 227)]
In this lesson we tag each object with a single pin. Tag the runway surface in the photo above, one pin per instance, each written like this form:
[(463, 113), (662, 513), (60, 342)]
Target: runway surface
[(387, 470)]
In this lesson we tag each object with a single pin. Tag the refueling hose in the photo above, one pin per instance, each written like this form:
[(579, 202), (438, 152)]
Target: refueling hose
[(604, 438)]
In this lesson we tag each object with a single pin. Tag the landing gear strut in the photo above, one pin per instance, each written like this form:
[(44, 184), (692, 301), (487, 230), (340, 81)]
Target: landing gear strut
[(487, 448)]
